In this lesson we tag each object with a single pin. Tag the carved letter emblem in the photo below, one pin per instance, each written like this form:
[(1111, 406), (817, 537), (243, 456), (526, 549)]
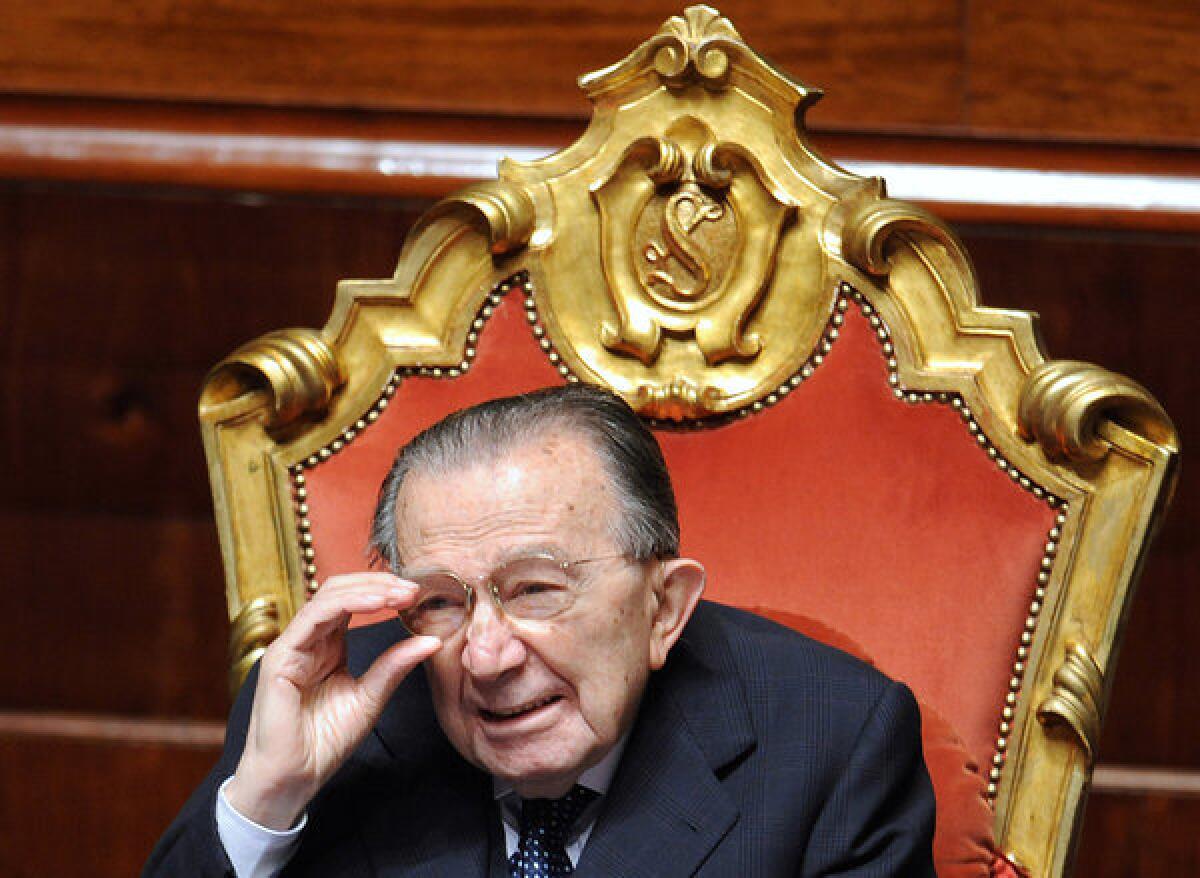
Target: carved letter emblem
[(689, 233)]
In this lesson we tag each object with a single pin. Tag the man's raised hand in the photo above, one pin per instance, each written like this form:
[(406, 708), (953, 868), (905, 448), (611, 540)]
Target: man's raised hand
[(309, 713)]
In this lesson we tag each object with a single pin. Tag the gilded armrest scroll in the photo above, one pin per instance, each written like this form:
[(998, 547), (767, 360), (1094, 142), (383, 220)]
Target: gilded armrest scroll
[(262, 388), (1063, 402), (296, 367), (504, 210), (1075, 699), (253, 630), (873, 225)]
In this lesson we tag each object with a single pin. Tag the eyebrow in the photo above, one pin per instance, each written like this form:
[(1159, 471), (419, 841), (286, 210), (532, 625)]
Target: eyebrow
[(531, 550)]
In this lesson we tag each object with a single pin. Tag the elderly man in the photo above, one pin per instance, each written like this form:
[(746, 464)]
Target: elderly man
[(579, 709)]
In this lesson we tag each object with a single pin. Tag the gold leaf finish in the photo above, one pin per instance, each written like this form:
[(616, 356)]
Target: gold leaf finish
[(708, 209), (296, 366), (878, 222), (688, 242), (253, 630), (696, 47), (676, 401), (504, 212), (1064, 401), (1075, 701)]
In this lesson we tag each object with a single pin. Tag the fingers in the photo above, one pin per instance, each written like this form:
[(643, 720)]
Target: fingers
[(312, 645), (309, 712), (338, 599), (387, 671)]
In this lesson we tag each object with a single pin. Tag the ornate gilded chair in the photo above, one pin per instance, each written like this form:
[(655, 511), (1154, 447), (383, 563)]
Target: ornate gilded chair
[(861, 449)]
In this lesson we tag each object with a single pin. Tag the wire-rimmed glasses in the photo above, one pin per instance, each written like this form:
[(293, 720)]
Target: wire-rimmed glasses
[(533, 588)]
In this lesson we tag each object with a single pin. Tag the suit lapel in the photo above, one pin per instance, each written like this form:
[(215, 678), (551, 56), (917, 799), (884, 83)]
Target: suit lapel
[(667, 808), (430, 829), (429, 812)]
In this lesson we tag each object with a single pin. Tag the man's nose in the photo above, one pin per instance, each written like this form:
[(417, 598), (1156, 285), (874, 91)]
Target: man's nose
[(490, 648)]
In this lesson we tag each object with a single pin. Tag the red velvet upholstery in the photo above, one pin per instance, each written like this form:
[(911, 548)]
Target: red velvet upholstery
[(882, 519)]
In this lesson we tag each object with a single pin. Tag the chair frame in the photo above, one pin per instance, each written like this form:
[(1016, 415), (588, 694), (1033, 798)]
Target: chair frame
[(696, 106)]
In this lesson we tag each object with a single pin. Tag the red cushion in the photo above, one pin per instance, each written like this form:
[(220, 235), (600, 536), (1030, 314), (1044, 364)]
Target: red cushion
[(882, 519)]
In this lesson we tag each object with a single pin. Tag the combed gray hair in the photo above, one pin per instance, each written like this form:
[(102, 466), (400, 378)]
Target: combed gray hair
[(648, 526)]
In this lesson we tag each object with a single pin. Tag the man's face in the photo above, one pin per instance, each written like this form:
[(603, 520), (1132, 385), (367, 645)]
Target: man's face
[(534, 702)]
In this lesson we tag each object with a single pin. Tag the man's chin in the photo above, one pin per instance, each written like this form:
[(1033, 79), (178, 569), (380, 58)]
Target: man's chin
[(536, 772), (545, 789), (539, 766)]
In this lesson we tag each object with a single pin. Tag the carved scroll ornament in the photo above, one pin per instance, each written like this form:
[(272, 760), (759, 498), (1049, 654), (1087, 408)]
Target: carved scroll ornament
[(1063, 402), (296, 368), (1075, 699)]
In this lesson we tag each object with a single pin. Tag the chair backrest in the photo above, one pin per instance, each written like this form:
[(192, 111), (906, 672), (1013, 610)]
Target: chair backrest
[(861, 450)]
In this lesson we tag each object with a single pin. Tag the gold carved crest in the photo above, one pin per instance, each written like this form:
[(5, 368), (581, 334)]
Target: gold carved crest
[(688, 238), (708, 212)]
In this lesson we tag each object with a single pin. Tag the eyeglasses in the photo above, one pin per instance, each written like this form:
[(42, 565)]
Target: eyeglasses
[(534, 588)]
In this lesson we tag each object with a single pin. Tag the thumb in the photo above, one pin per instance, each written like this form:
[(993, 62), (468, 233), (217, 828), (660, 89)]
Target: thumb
[(387, 671)]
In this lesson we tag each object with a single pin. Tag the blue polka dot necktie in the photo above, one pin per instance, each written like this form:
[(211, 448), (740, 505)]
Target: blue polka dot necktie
[(545, 824)]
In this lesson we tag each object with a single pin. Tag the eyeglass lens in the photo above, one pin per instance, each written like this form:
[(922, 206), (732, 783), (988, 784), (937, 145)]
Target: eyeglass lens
[(528, 588)]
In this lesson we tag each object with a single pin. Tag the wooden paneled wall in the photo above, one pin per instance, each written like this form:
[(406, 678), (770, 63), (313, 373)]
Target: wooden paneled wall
[(115, 300), (1109, 69), (112, 618)]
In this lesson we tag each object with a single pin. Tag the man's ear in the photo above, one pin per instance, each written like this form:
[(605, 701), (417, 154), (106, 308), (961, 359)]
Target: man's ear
[(678, 592)]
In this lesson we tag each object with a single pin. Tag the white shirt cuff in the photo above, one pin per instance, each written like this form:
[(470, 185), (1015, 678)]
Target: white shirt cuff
[(254, 851)]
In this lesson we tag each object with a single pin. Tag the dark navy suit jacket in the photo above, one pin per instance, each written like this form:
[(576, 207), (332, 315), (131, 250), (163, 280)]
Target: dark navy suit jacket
[(756, 752)]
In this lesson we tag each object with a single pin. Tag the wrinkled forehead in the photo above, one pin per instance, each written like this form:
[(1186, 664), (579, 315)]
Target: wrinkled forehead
[(550, 493)]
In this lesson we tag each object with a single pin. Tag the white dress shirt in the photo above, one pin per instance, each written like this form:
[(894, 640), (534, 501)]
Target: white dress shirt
[(258, 852), (254, 850)]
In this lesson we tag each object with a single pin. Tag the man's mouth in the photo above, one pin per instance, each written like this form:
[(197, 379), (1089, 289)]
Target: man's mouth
[(504, 714)]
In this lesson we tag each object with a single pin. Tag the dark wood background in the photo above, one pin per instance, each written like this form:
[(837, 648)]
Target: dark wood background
[(124, 276)]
